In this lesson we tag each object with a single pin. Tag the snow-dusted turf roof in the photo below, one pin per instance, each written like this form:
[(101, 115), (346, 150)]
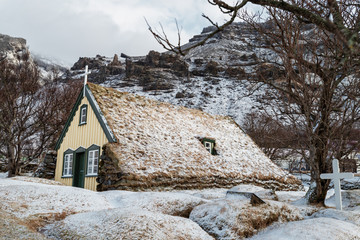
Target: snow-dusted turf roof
[(158, 145)]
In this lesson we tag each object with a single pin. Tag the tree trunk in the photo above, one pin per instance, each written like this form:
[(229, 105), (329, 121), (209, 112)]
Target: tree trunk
[(13, 166), (320, 166)]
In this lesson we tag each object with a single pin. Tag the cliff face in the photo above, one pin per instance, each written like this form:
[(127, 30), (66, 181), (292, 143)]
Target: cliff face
[(12, 47)]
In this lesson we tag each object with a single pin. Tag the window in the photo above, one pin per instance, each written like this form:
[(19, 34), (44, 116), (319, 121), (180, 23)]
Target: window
[(93, 162), (209, 144), (68, 163), (83, 114)]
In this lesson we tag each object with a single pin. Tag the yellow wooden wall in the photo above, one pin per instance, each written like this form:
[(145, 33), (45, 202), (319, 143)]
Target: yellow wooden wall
[(80, 136)]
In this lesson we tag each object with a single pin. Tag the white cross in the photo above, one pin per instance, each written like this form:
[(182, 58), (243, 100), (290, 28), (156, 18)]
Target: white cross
[(336, 176), (85, 78)]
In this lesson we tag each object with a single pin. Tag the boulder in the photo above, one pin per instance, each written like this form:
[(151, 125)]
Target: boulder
[(176, 204), (352, 183), (260, 192), (126, 224), (316, 228), (93, 63), (350, 199), (237, 219), (347, 216)]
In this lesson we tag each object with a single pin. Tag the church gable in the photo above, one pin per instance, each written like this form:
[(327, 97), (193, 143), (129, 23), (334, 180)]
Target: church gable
[(85, 109), (80, 143)]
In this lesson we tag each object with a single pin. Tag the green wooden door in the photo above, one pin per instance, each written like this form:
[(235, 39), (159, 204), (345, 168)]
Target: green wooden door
[(79, 173)]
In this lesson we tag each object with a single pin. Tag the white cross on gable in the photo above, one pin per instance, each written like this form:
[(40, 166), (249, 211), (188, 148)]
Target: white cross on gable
[(336, 176), (85, 78)]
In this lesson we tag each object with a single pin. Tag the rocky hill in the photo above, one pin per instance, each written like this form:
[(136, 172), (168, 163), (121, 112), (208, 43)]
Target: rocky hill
[(12, 48), (210, 77)]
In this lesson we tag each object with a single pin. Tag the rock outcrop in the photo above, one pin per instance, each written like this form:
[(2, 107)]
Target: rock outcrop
[(12, 47)]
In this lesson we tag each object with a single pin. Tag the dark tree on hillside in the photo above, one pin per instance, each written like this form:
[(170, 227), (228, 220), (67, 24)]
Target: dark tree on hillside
[(31, 114), (319, 94), (277, 139)]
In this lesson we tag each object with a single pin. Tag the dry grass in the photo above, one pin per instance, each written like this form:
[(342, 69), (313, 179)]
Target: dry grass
[(257, 218), (15, 228), (38, 221)]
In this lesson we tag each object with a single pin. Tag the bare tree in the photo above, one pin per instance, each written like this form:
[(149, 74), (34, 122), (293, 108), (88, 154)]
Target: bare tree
[(277, 140), (31, 115), (320, 91), (319, 94), (337, 17)]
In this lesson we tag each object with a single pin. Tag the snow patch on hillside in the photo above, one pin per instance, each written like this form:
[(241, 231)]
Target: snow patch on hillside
[(214, 95)]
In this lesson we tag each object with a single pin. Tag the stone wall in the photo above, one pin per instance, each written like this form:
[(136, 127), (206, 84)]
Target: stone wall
[(46, 168)]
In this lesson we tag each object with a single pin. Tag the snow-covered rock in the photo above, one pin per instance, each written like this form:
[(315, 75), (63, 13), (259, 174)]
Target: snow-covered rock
[(310, 229), (176, 204), (352, 183), (12, 47), (207, 193), (126, 224), (350, 198), (236, 219), (29, 199), (348, 216), (259, 191)]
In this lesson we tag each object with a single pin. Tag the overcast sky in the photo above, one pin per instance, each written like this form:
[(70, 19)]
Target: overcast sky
[(69, 29)]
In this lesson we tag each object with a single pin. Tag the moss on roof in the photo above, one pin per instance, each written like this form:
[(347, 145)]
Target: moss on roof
[(157, 140)]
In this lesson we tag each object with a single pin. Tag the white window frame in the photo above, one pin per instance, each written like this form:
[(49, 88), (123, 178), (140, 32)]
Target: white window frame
[(68, 164), (93, 162), (208, 146), (83, 114)]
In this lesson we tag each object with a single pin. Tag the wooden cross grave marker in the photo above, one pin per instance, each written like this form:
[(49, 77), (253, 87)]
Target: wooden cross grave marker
[(336, 176), (85, 78)]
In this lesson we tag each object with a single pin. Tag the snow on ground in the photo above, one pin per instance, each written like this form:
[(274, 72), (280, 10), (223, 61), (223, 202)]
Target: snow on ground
[(311, 229), (122, 223), (3, 175), (11, 228), (26, 199), (30, 204)]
